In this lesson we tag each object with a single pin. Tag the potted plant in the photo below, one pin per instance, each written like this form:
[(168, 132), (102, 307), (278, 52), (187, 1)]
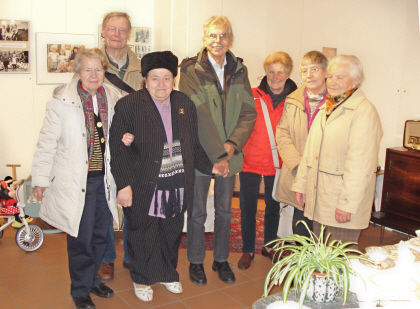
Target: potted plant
[(313, 260)]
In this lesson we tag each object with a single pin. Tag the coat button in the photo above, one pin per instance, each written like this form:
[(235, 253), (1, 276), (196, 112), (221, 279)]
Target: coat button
[(83, 134), (87, 162), (83, 190), (336, 169), (316, 158), (314, 187)]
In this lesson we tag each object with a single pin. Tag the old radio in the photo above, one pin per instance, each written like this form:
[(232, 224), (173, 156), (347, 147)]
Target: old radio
[(412, 134)]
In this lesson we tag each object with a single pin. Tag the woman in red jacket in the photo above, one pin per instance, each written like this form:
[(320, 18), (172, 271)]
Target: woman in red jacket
[(258, 158)]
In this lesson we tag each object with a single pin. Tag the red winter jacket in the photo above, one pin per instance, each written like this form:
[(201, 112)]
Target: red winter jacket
[(258, 157)]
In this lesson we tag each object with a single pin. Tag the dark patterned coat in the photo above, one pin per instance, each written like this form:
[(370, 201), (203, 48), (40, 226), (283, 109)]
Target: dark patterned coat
[(139, 164)]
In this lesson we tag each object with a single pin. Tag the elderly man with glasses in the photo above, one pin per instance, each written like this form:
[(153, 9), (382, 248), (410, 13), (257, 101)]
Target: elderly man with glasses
[(124, 72), (217, 81)]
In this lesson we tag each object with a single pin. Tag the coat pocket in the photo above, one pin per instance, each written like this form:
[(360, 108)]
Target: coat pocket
[(329, 185)]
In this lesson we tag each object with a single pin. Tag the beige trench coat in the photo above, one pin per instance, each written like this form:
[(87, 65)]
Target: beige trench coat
[(338, 166), (291, 135)]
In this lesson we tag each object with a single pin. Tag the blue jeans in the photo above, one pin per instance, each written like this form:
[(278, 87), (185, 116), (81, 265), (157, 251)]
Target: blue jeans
[(223, 193), (248, 200), (110, 253)]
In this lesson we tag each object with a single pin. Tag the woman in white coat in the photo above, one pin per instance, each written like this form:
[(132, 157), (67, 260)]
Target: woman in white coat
[(336, 178), (71, 171)]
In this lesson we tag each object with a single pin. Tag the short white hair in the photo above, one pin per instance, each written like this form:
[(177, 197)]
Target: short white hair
[(356, 68)]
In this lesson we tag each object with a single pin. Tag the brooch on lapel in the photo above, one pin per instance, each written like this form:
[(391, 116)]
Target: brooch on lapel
[(181, 111)]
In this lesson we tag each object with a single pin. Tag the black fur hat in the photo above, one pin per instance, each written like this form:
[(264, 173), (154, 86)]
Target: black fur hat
[(159, 60)]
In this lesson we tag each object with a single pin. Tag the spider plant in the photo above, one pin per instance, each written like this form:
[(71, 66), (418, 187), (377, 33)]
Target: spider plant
[(311, 255)]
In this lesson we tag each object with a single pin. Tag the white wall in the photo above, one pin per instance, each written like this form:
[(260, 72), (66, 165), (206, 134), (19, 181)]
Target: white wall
[(384, 34), (22, 101)]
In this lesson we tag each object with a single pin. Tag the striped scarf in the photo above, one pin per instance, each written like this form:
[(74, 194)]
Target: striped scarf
[(88, 110), (171, 182)]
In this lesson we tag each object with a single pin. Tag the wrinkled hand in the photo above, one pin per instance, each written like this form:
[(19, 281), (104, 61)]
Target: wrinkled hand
[(229, 149), (300, 198), (127, 139), (125, 197), (221, 168), (342, 216), (39, 193)]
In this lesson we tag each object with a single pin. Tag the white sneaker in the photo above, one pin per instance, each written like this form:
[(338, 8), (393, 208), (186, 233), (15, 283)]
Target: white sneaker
[(173, 287), (144, 294)]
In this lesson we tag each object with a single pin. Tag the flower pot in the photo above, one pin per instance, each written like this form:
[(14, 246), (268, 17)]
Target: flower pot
[(322, 289)]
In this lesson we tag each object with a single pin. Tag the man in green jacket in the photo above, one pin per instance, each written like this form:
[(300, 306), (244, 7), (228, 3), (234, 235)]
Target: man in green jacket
[(217, 82)]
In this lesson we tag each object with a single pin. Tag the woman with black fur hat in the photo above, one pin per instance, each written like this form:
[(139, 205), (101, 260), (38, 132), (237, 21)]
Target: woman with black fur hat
[(155, 174)]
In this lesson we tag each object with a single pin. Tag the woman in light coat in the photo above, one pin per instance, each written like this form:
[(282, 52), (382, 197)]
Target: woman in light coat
[(71, 171), (335, 182), (300, 109)]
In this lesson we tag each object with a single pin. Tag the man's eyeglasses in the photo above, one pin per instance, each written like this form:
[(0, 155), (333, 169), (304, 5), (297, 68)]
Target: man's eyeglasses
[(222, 37), (112, 30)]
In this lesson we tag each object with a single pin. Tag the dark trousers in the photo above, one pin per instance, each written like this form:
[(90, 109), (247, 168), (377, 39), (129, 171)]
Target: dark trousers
[(86, 250), (153, 249), (300, 228), (248, 200)]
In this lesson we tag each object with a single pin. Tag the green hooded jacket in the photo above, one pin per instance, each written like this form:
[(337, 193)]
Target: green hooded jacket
[(224, 115)]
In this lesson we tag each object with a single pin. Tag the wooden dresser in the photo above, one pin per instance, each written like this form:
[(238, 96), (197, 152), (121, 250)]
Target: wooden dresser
[(400, 208)]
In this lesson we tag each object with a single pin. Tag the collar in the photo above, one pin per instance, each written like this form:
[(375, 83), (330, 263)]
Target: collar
[(215, 65), (120, 62)]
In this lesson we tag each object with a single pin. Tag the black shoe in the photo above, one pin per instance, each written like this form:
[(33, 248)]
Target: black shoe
[(223, 270), (126, 265), (84, 302), (197, 274), (103, 290)]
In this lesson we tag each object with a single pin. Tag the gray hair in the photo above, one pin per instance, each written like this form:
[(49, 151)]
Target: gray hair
[(94, 53), (218, 21), (356, 68), (116, 14), (314, 57)]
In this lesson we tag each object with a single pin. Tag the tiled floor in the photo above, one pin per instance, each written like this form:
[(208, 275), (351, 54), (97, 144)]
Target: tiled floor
[(40, 279)]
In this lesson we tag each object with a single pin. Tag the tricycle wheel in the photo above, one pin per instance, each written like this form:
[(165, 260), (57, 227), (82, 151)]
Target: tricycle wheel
[(29, 241)]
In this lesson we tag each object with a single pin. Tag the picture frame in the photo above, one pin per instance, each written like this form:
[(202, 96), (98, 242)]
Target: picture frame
[(51, 65), (139, 41), (14, 46)]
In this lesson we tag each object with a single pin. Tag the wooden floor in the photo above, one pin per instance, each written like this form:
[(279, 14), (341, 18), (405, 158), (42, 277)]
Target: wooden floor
[(41, 280)]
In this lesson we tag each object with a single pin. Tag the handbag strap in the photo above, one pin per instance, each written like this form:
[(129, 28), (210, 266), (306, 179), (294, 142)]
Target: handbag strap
[(270, 134), (117, 82)]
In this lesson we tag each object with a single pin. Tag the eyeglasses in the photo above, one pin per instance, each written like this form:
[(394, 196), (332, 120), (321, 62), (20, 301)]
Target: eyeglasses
[(311, 71), (222, 37), (112, 30)]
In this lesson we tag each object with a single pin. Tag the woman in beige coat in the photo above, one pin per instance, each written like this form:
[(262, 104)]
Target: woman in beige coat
[(335, 182), (300, 109)]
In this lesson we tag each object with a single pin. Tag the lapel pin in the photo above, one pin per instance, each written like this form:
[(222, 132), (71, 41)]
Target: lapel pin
[(181, 111)]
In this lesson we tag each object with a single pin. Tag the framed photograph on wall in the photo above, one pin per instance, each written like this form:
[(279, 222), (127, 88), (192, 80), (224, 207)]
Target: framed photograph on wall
[(139, 40), (14, 46), (55, 54)]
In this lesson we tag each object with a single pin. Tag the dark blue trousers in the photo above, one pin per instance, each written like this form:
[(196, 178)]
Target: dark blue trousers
[(248, 200), (86, 250)]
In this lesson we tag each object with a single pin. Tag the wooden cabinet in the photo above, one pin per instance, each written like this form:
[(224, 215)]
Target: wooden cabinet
[(400, 208)]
